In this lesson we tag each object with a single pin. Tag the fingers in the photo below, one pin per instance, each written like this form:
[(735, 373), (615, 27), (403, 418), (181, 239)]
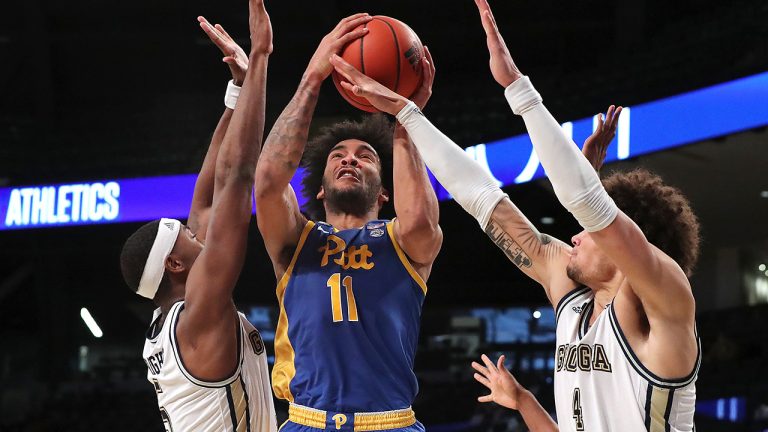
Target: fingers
[(222, 31), (345, 69), (480, 368), (488, 363), (486, 398), (213, 34), (354, 89), (486, 17), (352, 18), (482, 380), (500, 363), (431, 62), (609, 114), (349, 37), (615, 119), (345, 27), (600, 122)]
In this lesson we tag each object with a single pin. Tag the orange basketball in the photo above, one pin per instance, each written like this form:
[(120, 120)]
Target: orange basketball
[(390, 53)]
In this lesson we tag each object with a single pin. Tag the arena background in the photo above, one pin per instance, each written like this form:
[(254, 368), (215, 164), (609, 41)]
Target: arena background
[(93, 90)]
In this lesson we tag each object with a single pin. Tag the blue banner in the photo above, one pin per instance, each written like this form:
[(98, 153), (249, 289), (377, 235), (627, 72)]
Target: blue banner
[(655, 126)]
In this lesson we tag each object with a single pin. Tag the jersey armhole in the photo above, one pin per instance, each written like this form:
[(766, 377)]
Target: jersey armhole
[(283, 282), (640, 367), (404, 258), (174, 316), (284, 369)]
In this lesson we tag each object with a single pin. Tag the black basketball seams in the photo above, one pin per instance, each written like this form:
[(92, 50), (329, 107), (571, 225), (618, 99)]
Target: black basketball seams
[(397, 53)]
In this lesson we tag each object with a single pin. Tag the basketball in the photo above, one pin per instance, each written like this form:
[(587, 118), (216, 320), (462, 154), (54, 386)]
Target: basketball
[(390, 53)]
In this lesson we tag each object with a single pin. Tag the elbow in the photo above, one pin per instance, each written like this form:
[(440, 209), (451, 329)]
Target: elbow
[(227, 174)]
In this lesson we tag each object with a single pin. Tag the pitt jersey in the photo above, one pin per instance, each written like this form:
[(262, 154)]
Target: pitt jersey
[(350, 306), (600, 385), (240, 403)]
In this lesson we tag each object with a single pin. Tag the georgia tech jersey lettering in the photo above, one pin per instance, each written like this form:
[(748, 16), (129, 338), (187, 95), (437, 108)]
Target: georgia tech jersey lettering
[(350, 308), (600, 385), (241, 403)]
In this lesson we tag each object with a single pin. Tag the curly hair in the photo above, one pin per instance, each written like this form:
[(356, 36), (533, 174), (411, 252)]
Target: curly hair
[(376, 130), (662, 212)]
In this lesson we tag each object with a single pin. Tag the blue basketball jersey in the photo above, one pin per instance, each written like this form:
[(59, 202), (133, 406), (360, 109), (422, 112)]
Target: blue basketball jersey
[(350, 307)]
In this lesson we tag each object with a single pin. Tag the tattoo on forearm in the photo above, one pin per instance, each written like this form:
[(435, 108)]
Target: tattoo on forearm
[(504, 241), (541, 245), (286, 140)]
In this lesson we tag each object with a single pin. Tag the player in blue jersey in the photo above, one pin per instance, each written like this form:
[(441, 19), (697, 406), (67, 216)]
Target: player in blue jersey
[(350, 285), (628, 352)]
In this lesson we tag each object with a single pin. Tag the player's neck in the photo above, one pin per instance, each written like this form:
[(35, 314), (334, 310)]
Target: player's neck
[(605, 291), (164, 299), (343, 221)]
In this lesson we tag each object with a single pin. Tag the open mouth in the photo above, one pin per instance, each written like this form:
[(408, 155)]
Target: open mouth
[(348, 173)]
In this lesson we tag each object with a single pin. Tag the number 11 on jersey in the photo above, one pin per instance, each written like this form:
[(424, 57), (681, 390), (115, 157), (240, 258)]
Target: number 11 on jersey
[(334, 283)]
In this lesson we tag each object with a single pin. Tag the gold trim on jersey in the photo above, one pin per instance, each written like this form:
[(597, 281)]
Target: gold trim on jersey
[(376, 421), (404, 258), (659, 405), (240, 402), (285, 369)]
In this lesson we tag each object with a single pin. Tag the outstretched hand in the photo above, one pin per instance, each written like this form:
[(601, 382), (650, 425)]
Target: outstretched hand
[(361, 85), (505, 390), (503, 68), (234, 56), (596, 145), (260, 27)]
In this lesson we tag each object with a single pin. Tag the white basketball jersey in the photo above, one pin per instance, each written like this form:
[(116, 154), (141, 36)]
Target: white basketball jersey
[(241, 403), (600, 385)]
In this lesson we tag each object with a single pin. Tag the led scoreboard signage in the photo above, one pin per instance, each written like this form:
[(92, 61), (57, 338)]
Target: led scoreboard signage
[(702, 114)]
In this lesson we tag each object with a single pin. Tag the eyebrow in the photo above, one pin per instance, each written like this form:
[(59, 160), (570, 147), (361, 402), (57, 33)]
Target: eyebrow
[(364, 145)]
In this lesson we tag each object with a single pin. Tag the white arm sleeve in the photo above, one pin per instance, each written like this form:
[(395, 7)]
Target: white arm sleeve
[(574, 180), (471, 186)]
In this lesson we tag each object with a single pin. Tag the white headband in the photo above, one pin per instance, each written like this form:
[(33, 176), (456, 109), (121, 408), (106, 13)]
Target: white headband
[(154, 269)]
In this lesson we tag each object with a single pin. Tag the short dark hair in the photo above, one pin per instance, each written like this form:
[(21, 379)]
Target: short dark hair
[(661, 211), (375, 129), (135, 252)]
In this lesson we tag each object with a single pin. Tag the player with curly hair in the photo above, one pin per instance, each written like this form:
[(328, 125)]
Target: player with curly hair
[(627, 353), (350, 284)]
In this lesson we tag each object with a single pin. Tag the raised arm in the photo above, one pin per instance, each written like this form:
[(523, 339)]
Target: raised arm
[(654, 278), (207, 328), (537, 255), (416, 227), (202, 199), (596, 145), (277, 210), (507, 392)]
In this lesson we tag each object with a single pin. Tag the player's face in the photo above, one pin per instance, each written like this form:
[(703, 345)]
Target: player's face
[(352, 178), (588, 263), (188, 246)]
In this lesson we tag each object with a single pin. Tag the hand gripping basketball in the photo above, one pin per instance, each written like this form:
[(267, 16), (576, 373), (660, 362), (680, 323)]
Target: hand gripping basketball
[(379, 96), (390, 53), (359, 85)]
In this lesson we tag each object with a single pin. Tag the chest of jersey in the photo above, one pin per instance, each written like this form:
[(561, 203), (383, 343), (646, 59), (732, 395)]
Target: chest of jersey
[(351, 308), (349, 276)]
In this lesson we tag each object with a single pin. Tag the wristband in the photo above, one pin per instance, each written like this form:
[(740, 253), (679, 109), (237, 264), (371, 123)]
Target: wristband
[(230, 97)]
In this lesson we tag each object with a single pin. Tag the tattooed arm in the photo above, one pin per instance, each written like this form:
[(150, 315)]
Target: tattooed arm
[(277, 210), (540, 256)]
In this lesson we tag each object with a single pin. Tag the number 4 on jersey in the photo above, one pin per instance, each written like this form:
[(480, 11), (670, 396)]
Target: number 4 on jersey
[(577, 413)]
